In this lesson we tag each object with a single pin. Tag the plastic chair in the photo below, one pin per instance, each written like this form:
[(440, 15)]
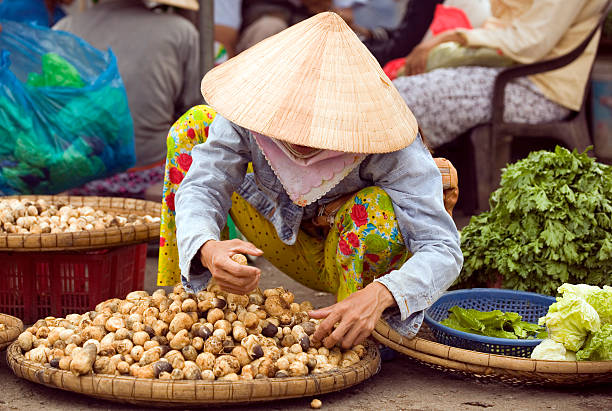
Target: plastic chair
[(493, 140)]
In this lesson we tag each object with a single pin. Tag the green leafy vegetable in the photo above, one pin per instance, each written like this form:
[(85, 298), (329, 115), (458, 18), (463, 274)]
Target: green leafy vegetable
[(550, 223), (553, 351), (598, 346), (569, 321), (599, 299), (490, 323)]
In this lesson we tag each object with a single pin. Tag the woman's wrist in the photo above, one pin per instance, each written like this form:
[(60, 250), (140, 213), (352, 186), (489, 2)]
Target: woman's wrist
[(451, 36), (384, 298)]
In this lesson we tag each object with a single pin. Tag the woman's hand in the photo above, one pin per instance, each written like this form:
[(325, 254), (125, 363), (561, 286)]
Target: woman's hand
[(229, 275), (416, 61), (356, 315)]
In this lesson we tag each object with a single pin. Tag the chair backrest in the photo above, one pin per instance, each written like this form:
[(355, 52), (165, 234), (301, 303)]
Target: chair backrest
[(542, 66)]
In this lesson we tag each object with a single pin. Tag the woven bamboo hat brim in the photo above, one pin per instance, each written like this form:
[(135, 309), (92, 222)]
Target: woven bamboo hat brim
[(314, 84)]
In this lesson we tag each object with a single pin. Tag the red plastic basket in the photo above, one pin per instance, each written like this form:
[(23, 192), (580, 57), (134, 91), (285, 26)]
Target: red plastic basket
[(37, 285)]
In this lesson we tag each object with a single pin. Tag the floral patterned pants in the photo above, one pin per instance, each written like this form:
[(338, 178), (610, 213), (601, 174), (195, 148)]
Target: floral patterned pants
[(449, 101), (364, 243)]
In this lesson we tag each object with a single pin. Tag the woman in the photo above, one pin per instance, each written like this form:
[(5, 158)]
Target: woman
[(345, 197), (448, 102)]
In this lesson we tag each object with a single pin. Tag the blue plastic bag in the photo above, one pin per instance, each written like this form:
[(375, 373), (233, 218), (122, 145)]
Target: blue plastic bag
[(53, 138)]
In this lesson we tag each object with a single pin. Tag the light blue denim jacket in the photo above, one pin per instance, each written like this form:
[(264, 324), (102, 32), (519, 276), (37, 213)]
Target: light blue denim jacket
[(409, 176)]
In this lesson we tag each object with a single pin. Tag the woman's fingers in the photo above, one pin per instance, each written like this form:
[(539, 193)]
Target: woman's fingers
[(338, 334), (239, 246), (321, 312), (326, 326), (238, 270), (355, 335)]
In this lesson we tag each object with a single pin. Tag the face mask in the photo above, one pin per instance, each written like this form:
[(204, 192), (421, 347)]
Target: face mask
[(307, 179)]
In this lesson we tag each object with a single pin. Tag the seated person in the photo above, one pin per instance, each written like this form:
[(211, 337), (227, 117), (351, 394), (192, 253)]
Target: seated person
[(158, 58), (449, 101)]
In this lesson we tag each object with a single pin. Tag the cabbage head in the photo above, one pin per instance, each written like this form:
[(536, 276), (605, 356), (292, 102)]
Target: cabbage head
[(551, 350), (600, 299), (569, 321), (598, 346)]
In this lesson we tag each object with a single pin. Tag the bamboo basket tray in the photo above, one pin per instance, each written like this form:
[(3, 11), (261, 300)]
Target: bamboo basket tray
[(14, 328), (87, 240), (491, 367), (163, 393)]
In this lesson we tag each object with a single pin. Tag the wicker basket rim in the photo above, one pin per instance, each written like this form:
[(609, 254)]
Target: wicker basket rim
[(126, 388), (14, 328), (91, 239), (383, 333)]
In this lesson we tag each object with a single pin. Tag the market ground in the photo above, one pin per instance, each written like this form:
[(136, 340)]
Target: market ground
[(401, 384)]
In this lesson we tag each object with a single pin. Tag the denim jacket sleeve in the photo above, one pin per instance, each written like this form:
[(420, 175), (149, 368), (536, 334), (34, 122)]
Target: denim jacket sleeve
[(204, 196), (412, 180)]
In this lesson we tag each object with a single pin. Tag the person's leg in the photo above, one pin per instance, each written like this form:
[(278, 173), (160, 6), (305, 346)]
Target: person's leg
[(448, 102), (365, 242), (189, 130), (302, 261)]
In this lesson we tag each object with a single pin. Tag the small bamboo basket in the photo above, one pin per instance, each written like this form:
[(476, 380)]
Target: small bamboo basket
[(492, 367), (14, 328), (184, 393), (93, 239)]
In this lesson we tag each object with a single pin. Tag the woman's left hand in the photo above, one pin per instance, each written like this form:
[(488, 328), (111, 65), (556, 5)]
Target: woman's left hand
[(416, 61), (356, 316)]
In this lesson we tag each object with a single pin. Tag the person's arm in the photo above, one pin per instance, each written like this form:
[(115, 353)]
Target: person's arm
[(414, 184), (203, 201), (532, 35), (387, 45), (416, 61), (413, 181), (228, 19)]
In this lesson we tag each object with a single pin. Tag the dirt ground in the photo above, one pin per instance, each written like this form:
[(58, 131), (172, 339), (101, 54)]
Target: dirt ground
[(401, 384)]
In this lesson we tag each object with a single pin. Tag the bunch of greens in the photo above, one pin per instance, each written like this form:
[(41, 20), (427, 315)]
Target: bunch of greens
[(581, 322), (491, 323), (550, 222)]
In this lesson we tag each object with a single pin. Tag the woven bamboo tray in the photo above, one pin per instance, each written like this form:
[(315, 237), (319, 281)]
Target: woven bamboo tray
[(491, 367), (87, 240), (164, 393), (14, 328)]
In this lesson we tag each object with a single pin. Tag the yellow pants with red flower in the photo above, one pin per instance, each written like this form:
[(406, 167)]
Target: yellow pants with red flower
[(363, 244)]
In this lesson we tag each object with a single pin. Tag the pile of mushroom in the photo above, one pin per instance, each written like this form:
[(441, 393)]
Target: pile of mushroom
[(209, 335), (36, 217)]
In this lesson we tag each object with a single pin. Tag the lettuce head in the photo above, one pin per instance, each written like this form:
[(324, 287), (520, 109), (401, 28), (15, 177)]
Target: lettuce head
[(600, 299), (569, 321), (551, 350), (579, 290), (598, 346)]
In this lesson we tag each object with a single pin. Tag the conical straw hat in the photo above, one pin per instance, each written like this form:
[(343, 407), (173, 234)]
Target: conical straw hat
[(314, 84)]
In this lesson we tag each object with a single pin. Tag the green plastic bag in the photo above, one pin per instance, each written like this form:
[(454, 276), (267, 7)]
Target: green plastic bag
[(452, 54), (56, 72)]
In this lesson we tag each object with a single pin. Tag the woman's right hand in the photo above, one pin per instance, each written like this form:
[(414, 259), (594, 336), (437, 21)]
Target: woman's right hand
[(229, 275)]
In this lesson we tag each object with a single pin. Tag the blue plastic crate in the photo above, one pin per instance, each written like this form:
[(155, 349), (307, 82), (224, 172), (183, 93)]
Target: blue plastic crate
[(530, 306)]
